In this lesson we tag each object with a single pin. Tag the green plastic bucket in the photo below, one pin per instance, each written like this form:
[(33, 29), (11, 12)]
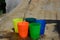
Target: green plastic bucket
[(30, 20), (34, 30), (15, 22)]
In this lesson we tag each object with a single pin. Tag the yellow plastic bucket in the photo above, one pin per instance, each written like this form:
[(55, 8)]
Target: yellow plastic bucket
[(15, 22)]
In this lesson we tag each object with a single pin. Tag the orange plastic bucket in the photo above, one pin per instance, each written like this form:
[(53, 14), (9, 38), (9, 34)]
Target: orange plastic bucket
[(23, 29)]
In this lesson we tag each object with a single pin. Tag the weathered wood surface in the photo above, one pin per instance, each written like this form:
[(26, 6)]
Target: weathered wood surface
[(49, 34), (40, 9)]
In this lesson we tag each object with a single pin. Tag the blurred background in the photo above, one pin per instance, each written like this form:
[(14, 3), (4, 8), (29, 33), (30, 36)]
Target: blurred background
[(11, 4)]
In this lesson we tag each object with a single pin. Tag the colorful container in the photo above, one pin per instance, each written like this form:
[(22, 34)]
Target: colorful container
[(23, 29), (30, 20), (15, 21), (43, 23), (34, 31)]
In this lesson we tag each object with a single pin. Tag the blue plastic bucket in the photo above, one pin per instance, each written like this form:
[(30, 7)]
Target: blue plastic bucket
[(43, 23)]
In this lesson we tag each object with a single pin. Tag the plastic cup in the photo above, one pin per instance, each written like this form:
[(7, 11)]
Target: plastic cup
[(15, 22), (30, 20), (34, 30), (23, 29), (43, 23)]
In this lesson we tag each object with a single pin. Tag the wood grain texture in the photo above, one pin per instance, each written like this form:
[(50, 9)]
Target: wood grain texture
[(40, 9)]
